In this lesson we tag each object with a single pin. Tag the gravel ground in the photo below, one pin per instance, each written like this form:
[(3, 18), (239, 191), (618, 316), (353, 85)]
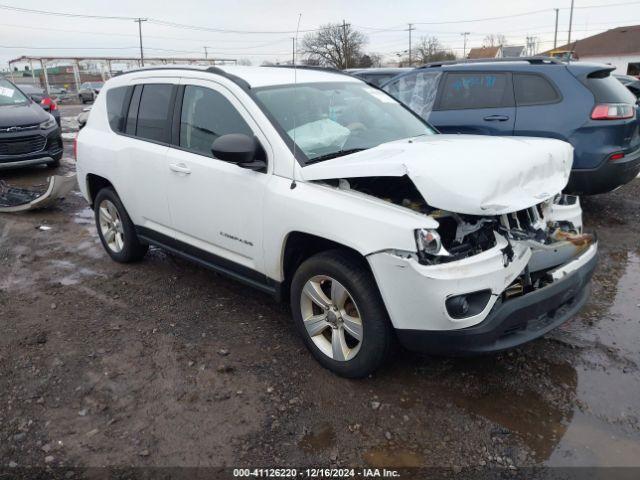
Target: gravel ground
[(163, 363)]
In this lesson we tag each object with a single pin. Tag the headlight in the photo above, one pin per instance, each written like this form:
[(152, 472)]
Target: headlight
[(428, 242), (50, 123)]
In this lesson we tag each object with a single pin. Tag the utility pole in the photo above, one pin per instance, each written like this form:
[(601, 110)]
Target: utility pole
[(570, 22), (293, 50), (206, 54), (139, 21), (464, 48), (555, 34), (410, 30), (346, 45)]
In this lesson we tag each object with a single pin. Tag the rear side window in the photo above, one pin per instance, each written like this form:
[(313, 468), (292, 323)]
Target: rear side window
[(476, 90), (154, 113), (533, 90), (608, 89), (206, 115), (116, 109)]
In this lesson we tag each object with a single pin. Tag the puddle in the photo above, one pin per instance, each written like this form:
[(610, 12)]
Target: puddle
[(540, 422), (75, 273), (389, 458), (618, 327), (589, 441), (84, 217), (322, 438)]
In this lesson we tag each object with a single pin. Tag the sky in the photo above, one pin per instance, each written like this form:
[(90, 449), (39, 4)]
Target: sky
[(261, 30)]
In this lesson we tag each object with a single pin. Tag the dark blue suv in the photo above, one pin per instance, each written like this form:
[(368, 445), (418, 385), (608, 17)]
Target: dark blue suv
[(577, 102)]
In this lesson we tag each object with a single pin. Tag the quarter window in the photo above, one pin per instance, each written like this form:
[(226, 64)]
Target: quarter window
[(476, 90), (116, 98), (533, 90), (206, 115), (154, 113)]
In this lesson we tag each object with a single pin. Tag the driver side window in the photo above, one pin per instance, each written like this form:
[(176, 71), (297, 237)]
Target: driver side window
[(207, 115)]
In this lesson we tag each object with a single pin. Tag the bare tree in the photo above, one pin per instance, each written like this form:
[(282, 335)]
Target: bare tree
[(494, 40), (245, 62), (369, 60), (429, 49), (334, 45)]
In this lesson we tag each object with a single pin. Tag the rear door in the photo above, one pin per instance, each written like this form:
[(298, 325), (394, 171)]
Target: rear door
[(144, 147), (475, 103)]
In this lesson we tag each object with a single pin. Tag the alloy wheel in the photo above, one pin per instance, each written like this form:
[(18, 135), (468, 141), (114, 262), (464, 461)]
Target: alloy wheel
[(331, 318), (111, 226)]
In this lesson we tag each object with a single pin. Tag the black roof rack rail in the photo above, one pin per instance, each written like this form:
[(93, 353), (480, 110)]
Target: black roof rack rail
[(214, 70), (540, 60), (306, 67)]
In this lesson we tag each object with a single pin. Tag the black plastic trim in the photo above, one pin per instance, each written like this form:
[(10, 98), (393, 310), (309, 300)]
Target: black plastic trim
[(211, 261), (509, 323), (606, 177)]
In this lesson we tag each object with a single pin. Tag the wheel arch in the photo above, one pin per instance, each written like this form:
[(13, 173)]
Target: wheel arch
[(299, 246), (95, 183)]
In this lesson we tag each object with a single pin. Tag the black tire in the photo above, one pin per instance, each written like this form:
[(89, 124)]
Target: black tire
[(352, 272), (133, 249)]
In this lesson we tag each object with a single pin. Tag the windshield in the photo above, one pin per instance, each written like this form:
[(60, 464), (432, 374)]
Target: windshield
[(96, 85), (327, 120), (10, 95)]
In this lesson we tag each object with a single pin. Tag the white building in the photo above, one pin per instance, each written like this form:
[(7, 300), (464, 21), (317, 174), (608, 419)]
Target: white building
[(619, 47)]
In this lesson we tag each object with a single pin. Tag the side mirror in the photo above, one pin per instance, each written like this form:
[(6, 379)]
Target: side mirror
[(234, 148)]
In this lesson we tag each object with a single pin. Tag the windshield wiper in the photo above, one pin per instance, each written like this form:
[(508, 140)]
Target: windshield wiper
[(339, 153)]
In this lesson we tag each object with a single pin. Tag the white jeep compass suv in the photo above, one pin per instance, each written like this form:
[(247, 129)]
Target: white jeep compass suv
[(318, 188)]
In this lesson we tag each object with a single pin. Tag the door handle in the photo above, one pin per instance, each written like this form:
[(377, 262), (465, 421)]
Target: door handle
[(179, 168), (496, 118)]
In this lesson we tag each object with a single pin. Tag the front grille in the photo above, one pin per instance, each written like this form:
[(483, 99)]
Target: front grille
[(22, 145)]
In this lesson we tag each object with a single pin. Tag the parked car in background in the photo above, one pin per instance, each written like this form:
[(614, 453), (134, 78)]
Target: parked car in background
[(626, 79), (376, 76), (632, 84), (57, 91), (89, 91), (580, 103), (28, 134), (39, 95), (319, 189)]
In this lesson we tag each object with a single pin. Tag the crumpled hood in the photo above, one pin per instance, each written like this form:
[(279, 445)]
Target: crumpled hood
[(471, 174)]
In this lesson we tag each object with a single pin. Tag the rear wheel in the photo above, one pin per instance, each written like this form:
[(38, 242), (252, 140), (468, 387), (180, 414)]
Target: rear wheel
[(339, 313), (115, 229)]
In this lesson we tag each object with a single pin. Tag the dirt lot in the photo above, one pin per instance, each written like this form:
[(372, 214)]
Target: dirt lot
[(163, 363)]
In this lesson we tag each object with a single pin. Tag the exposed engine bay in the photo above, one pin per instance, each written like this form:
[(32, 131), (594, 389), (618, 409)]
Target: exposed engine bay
[(552, 239)]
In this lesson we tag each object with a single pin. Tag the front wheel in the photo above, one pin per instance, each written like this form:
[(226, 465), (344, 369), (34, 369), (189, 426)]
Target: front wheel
[(338, 311), (115, 229)]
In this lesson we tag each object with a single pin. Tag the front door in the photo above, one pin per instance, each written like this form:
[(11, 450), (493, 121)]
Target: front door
[(215, 205)]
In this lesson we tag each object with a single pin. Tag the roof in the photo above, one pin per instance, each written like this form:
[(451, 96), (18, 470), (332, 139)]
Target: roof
[(617, 41), (484, 52), (259, 76), (378, 70), (512, 50)]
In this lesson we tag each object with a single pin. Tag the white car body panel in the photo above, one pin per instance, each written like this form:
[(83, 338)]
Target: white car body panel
[(246, 217), (464, 173)]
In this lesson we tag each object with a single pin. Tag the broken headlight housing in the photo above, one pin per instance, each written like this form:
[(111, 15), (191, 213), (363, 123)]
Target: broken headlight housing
[(429, 243)]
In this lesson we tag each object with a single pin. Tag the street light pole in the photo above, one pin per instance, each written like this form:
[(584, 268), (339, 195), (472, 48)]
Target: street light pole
[(139, 21)]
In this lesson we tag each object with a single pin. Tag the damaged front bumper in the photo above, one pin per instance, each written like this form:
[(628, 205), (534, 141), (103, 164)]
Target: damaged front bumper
[(417, 298)]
